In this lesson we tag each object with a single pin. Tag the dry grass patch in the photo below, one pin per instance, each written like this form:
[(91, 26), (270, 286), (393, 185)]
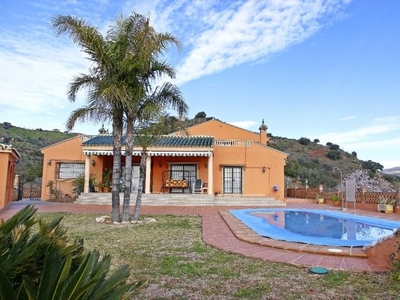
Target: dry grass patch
[(170, 254)]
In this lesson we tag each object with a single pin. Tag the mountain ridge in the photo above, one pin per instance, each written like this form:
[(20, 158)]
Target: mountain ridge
[(309, 162)]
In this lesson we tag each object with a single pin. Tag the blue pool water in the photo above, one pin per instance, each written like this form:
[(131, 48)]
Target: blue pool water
[(318, 227)]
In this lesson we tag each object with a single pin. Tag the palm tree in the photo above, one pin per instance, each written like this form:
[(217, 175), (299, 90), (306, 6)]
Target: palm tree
[(168, 96), (107, 91), (141, 72), (148, 135)]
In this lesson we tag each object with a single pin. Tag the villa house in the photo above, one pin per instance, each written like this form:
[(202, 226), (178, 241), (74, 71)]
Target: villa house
[(9, 157), (222, 158)]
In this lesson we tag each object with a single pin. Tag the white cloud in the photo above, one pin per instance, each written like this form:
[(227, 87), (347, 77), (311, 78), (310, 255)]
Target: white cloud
[(379, 126), (349, 118), (377, 142), (250, 31), (374, 144)]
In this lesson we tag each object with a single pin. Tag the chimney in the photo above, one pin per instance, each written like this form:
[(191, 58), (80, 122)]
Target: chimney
[(263, 133)]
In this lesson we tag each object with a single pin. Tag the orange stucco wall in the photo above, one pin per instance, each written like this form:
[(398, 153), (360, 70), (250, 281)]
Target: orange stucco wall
[(8, 159), (67, 151), (221, 131), (252, 157)]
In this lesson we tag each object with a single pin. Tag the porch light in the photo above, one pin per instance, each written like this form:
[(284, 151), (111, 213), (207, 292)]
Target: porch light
[(263, 169), (160, 163), (49, 162), (93, 162)]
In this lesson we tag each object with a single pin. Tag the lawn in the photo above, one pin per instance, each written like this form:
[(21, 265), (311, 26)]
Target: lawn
[(171, 255)]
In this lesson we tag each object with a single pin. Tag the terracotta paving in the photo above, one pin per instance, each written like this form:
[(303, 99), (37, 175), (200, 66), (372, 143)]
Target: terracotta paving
[(223, 231)]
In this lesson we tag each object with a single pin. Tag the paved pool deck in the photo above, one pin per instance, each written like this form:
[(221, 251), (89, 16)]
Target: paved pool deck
[(223, 231)]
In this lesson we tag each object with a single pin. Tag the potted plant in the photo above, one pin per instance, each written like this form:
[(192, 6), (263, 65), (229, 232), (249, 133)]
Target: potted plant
[(336, 200), (385, 205), (106, 182), (319, 198), (93, 184)]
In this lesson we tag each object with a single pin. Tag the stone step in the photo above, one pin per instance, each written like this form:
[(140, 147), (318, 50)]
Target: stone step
[(181, 200)]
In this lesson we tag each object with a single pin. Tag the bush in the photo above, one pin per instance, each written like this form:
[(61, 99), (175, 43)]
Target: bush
[(40, 263), (292, 168), (304, 141), (334, 155), (334, 147)]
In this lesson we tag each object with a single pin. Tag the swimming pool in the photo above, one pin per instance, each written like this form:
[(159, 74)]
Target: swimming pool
[(318, 227)]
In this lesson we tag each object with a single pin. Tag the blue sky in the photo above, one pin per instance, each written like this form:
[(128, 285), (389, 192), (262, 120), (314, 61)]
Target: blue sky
[(326, 69)]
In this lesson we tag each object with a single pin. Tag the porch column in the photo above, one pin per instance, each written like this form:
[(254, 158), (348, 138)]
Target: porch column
[(210, 188), (148, 171), (87, 174)]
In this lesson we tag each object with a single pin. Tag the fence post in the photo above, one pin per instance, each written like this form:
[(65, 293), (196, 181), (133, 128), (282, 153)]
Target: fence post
[(363, 195), (398, 197)]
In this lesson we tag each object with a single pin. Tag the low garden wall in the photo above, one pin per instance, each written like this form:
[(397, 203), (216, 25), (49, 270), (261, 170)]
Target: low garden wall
[(364, 200)]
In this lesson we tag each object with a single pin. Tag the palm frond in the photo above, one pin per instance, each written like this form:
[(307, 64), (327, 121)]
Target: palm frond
[(87, 37)]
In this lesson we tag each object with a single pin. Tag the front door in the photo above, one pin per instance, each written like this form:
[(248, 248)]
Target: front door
[(232, 180), (182, 171)]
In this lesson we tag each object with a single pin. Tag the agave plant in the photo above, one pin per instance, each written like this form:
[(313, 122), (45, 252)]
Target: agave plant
[(41, 263)]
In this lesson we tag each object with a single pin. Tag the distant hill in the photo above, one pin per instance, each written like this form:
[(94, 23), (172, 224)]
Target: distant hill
[(307, 161), (311, 161), (28, 143), (392, 171)]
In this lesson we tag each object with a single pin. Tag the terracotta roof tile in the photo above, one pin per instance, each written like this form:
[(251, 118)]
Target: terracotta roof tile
[(162, 141)]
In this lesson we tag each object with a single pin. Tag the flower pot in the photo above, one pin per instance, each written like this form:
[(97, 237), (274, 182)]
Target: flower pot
[(336, 203), (386, 208)]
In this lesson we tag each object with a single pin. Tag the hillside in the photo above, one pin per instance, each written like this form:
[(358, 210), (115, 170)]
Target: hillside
[(307, 160), (28, 143), (311, 161)]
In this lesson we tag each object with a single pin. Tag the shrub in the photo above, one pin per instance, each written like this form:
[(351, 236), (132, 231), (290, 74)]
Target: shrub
[(304, 141), (334, 147), (41, 263), (334, 155)]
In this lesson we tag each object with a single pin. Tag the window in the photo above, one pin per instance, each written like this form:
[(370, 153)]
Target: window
[(70, 170), (232, 180)]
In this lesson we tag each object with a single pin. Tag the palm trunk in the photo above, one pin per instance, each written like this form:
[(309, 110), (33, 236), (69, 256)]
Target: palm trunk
[(116, 176), (141, 183), (128, 169)]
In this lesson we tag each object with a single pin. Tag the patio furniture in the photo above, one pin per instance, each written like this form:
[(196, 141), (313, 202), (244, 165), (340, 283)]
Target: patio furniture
[(198, 187), (169, 183)]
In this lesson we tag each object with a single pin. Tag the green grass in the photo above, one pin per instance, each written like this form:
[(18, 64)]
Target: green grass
[(170, 254)]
